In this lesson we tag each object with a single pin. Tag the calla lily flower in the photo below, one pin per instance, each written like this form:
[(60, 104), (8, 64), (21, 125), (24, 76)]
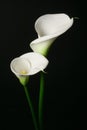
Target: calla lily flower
[(28, 64), (48, 28)]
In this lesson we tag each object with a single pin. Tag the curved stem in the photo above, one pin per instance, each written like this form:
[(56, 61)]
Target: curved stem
[(41, 94), (31, 107)]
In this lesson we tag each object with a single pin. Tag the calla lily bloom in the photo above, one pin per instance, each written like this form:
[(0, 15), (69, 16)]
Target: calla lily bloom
[(48, 28), (28, 64)]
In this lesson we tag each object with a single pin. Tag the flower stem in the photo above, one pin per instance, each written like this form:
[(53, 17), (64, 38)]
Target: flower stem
[(31, 107), (41, 94)]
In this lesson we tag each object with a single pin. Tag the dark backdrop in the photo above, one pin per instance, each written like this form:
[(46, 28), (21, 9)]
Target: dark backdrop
[(65, 97)]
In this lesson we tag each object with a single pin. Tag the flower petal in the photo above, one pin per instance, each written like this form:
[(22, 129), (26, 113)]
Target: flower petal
[(38, 62), (20, 67), (50, 24), (48, 28)]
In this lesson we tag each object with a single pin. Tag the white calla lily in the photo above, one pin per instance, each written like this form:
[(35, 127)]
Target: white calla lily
[(48, 28), (28, 64)]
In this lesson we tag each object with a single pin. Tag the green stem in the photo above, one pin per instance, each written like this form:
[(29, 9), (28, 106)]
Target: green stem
[(41, 95), (31, 107)]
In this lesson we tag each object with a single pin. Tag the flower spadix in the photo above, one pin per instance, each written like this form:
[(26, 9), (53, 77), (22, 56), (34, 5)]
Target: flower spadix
[(28, 64), (48, 28)]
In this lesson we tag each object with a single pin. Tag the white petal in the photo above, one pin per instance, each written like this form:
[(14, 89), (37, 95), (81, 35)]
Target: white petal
[(48, 28), (20, 66), (38, 62), (53, 23)]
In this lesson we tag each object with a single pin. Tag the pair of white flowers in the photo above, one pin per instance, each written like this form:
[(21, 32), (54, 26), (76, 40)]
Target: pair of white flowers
[(48, 28)]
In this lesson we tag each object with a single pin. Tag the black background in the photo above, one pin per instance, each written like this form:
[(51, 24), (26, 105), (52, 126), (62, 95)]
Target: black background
[(65, 98)]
